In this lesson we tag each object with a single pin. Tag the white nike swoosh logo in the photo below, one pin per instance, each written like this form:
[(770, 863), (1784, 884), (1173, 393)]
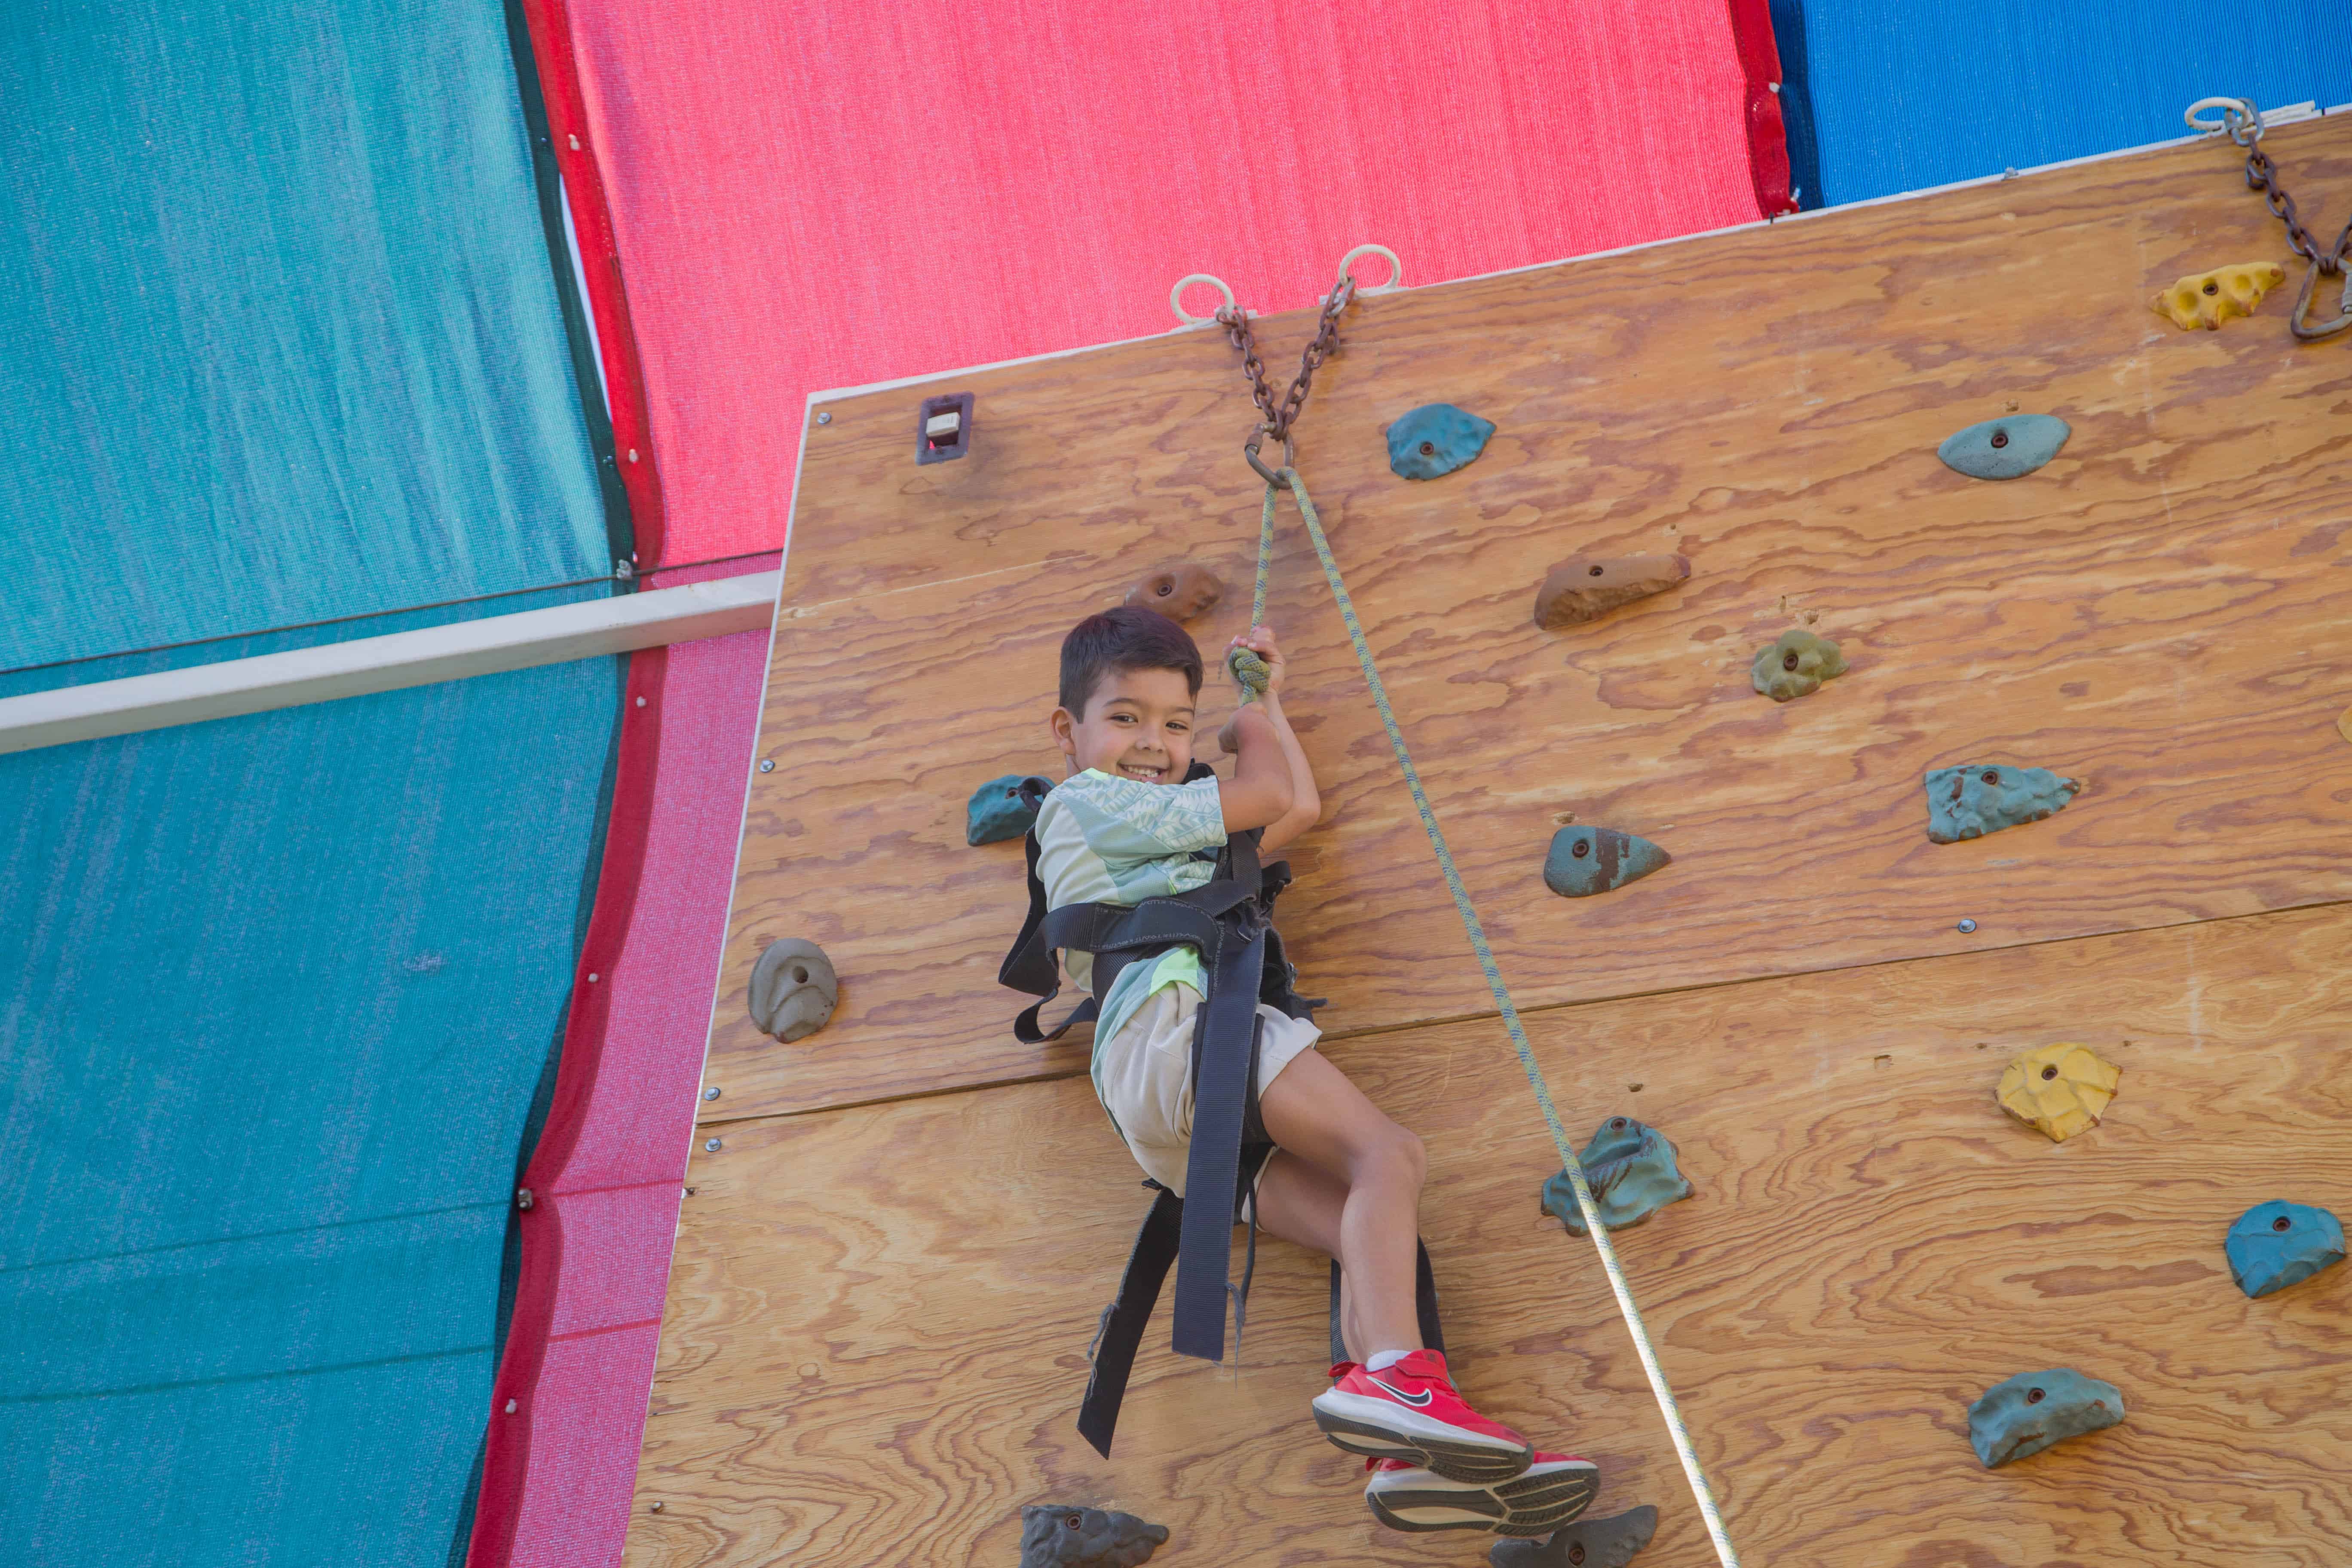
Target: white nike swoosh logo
[(1425, 1396)]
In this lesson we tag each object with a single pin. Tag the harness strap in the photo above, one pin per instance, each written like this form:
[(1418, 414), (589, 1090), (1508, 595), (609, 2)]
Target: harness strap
[(1123, 1321), (1223, 1032)]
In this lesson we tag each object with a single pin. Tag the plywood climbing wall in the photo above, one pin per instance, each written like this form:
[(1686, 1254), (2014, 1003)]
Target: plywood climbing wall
[(889, 1266)]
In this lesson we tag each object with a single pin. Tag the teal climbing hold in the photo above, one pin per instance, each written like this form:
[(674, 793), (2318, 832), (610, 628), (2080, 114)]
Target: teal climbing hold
[(1978, 798), (2029, 1412), (2005, 448), (1587, 860), (2278, 1244), (1002, 808), (1630, 1167), (1436, 439)]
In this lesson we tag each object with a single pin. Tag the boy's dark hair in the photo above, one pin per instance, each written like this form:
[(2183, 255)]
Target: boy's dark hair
[(1128, 637)]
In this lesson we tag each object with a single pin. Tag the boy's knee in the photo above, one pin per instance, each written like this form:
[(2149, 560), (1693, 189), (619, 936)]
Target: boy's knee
[(1398, 1152)]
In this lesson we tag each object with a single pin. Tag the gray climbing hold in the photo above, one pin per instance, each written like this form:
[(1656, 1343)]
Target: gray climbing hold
[(1978, 798), (1002, 808), (1436, 439), (1057, 1535), (2034, 1409), (1794, 665), (1587, 1543), (2278, 1244), (793, 989), (1586, 587), (1587, 860), (2005, 448), (1631, 1169)]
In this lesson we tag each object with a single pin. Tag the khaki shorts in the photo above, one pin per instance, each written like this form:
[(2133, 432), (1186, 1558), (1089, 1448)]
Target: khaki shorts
[(1143, 1076)]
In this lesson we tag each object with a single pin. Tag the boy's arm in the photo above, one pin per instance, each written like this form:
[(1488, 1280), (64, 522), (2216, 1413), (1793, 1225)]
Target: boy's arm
[(1259, 793), (1306, 804)]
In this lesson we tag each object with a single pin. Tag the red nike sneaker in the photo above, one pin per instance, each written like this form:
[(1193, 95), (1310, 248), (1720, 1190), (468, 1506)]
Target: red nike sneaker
[(1548, 1494), (1411, 1412)]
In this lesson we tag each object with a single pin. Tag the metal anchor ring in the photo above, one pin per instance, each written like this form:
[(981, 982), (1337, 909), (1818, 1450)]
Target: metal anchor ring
[(1289, 455)]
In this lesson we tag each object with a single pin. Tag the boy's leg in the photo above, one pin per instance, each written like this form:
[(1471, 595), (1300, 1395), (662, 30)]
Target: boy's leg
[(1408, 1410), (1325, 1122)]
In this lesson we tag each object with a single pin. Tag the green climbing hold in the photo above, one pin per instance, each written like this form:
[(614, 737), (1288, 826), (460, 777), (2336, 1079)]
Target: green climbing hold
[(1435, 439), (1584, 861), (1630, 1167), (2005, 448), (2032, 1410), (1002, 808), (1976, 798), (1794, 665)]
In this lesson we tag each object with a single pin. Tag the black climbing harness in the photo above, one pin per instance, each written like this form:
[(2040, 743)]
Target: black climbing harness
[(1229, 923)]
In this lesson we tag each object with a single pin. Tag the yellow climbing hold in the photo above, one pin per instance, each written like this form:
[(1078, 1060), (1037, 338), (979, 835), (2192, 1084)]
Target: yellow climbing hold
[(2208, 299), (2061, 1088)]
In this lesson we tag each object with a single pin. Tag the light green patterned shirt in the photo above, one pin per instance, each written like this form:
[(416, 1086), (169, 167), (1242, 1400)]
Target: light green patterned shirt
[(1103, 840)]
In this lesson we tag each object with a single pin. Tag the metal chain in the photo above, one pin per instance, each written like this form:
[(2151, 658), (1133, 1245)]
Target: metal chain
[(2246, 129), (1276, 421)]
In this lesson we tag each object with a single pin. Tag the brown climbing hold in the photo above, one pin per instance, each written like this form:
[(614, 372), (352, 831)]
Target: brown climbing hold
[(1180, 592), (1586, 587), (794, 990)]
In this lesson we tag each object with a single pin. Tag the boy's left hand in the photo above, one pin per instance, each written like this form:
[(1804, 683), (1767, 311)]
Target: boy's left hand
[(1260, 641)]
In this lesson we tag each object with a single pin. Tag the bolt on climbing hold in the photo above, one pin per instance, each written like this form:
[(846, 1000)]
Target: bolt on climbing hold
[(794, 990), (1630, 1169), (1059, 1535), (1004, 807), (2028, 1413), (824, 419), (1180, 592), (2005, 448), (2208, 299), (710, 1093), (1434, 440), (712, 1146), (2275, 1245), (1966, 926), (1976, 798), (1585, 860), (1586, 587), (767, 765), (1794, 665), (1588, 1544), (2062, 1088)]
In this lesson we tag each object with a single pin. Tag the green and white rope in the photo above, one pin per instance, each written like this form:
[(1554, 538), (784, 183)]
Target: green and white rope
[(1249, 672), (1479, 945)]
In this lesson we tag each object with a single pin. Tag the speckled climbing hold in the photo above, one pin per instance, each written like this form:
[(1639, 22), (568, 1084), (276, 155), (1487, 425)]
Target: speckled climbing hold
[(2063, 1088), (1057, 1535), (1002, 808), (1587, 860), (2034, 1409), (2278, 1244), (1630, 1167), (1794, 665), (1434, 440), (2208, 299), (1182, 591), (2005, 448), (1976, 798), (1586, 587), (793, 989), (1587, 1543)]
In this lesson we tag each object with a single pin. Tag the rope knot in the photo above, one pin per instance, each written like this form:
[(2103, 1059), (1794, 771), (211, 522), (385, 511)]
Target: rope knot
[(1249, 672)]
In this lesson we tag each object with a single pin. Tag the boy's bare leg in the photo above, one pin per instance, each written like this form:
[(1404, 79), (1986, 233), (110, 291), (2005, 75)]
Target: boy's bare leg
[(1337, 1145)]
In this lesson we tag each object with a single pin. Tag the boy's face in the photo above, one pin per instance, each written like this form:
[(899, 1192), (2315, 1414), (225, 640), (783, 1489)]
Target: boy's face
[(1138, 724)]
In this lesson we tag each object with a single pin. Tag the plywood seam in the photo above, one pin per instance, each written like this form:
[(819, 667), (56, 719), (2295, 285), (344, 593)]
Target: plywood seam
[(710, 1124)]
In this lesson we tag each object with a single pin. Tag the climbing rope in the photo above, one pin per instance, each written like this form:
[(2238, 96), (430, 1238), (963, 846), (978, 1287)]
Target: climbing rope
[(1287, 477)]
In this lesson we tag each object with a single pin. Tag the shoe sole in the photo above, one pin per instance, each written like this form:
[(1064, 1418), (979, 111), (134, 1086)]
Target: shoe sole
[(1525, 1506), (1381, 1430)]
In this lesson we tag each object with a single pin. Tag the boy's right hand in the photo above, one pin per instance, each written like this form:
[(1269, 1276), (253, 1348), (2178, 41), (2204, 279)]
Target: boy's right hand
[(1229, 739)]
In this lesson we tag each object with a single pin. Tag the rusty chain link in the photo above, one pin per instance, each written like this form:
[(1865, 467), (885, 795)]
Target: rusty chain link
[(2245, 128), (1277, 420)]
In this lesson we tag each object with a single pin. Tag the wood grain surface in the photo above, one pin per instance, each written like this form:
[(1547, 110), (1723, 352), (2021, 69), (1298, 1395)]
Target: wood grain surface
[(2156, 612), (878, 1316)]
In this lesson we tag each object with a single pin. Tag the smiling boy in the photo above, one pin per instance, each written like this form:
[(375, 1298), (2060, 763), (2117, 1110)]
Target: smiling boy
[(1341, 1177)]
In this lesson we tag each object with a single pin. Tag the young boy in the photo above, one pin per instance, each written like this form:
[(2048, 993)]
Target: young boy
[(1342, 1178)]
